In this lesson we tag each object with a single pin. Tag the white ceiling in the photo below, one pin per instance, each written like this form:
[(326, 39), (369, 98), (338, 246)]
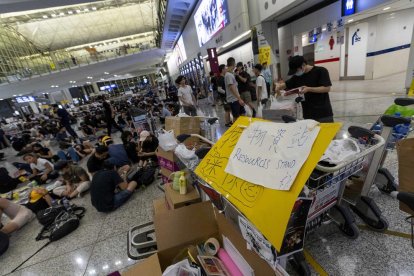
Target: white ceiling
[(137, 64), (76, 25)]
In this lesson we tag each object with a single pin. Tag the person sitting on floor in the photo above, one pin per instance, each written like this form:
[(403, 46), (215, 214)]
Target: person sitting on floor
[(130, 146), (42, 169), (103, 189), (39, 199), (7, 183), (42, 151), (75, 178), (117, 153), (19, 215), (96, 160), (148, 144)]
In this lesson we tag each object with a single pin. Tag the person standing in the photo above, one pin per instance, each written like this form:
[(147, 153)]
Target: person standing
[(267, 76), (109, 116), (315, 84), (261, 87), (232, 93), (221, 88), (243, 84), (64, 116), (186, 96)]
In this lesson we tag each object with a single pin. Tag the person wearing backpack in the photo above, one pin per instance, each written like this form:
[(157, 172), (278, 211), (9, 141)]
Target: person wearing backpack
[(108, 190)]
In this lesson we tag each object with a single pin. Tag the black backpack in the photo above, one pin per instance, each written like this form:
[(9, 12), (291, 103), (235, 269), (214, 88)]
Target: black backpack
[(144, 176), (4, 243), (47, 216), (64, 223)]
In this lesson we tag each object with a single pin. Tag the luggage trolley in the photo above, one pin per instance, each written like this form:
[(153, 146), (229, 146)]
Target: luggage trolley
[(384, 179), (327, 183)]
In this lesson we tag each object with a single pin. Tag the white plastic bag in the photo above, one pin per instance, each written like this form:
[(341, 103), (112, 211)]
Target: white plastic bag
[(259, 113), (200, 113), (167, 140), (249, 112), (182, 151)]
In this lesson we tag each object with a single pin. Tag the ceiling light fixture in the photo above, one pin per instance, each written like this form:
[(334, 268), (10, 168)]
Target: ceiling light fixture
[(324, 29), (106, 73), (45, 16), (62, 14), (94, 8), (78, 11), (86, 10), (53, 15), (386, 8), (70, 12), (89, 77), (350, 20), (88, 82), (102, 79)]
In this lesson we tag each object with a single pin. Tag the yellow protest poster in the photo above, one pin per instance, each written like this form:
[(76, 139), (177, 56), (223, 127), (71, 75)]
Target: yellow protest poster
[(268, 209), (264, 55)]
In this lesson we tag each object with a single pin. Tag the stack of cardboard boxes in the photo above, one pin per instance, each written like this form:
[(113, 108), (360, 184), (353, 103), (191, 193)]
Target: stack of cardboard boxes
[(176, 230), (181, 125)]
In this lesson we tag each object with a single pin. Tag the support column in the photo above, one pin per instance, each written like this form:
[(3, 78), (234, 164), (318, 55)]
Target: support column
[(409, 81), (34, 107)]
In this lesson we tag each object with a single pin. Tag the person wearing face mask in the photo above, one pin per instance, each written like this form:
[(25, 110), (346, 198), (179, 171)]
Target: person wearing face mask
[(315, 84)]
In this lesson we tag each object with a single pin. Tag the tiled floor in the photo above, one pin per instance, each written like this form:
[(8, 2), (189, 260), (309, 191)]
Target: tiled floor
[(99, 245)]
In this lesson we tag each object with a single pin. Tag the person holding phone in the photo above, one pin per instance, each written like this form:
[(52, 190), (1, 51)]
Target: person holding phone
[(314, 83)]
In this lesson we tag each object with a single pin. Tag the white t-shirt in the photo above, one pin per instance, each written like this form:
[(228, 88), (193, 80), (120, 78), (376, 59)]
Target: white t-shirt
[(261, 82), (41, 165), (187, 94)]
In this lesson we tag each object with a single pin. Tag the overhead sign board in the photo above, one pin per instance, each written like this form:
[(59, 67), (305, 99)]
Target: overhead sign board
[(348, 7)]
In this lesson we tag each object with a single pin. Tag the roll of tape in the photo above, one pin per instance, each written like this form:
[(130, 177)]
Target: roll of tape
[(211, 246)]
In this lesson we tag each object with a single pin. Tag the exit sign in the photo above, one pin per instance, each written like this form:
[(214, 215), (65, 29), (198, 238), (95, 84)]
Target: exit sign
[(348, 7)]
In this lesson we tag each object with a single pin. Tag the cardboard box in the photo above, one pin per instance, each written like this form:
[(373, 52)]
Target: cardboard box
[(405, 149), (177, 229), (165, 172), (160, 205), (184, 125), (167, 160), (176, 200), (181, 125), (150, 266)]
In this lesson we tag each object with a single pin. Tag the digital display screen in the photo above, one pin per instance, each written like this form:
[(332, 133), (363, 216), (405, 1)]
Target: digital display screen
[(25, 99), (210, 18)]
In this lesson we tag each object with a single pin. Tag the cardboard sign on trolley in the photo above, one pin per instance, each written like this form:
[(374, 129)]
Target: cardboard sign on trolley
[(271, 154), (269, 210)]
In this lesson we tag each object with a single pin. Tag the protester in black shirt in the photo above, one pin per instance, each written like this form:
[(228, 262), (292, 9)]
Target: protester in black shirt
[(243, 84), (7, 183), (315, 84), (65, 120), (42, 152), (148, 144), (109, 117), (130, 146), (96, 161), (104, 183)]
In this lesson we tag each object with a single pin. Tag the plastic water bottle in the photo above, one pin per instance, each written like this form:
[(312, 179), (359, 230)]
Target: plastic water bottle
[(207, 130), (214, 128), (377, 128)]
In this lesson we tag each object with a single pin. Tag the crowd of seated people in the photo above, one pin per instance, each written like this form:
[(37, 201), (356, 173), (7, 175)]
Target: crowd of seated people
[(51, 152)]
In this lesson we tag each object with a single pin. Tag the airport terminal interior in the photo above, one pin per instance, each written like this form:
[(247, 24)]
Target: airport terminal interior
[(206, 137)]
